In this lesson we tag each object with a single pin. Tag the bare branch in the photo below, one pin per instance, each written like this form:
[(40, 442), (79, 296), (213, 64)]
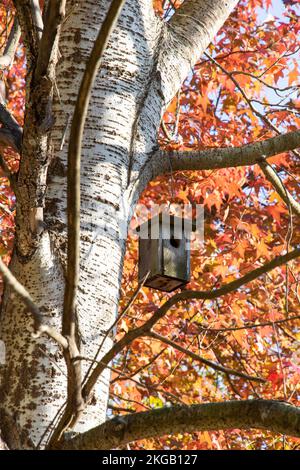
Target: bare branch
[(119, 317), (225, 289), (272, 87), (250, 326), (248, 100), (54, 15), (123, 376), (190, 30), (40, 327), (271, 415), (29, 17), (37, 17)]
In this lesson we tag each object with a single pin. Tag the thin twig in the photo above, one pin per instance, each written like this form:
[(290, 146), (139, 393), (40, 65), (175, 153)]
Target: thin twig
[(246, 98), (247, 327)]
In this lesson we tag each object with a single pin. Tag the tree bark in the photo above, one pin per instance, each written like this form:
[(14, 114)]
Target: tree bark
[(227, 157), (273, 415)]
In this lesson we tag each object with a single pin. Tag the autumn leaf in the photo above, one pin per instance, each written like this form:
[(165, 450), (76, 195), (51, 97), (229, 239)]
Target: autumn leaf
[(293, 76)]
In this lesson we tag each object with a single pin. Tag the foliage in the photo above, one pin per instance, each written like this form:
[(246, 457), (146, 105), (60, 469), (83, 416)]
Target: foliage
[(12, 91)]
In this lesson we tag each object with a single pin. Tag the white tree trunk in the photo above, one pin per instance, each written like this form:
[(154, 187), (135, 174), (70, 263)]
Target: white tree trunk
[(108, 147)]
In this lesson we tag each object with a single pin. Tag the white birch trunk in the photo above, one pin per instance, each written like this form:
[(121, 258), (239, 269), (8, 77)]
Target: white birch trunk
[(108, 146)]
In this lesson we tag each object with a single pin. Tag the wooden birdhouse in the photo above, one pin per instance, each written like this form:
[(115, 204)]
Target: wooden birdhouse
[(164, 252)]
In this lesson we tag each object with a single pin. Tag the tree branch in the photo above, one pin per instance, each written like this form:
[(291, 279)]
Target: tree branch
[(190, 30), (13, 40), (29, 16), (40, 82), (276, 182), (39, 325), (37, 17), (54, 15), (114, 324), (271, 415), (248, 100), (249, 326), (225, 289), (11, 129), (220, 157)]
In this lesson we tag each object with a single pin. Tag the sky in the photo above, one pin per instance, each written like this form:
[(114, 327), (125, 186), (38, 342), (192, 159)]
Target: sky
[(277, 9)]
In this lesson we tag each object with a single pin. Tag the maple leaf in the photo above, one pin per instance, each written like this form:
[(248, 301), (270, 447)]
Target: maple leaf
[(293, 75), (275, 377), (276, 212), (262, 250)]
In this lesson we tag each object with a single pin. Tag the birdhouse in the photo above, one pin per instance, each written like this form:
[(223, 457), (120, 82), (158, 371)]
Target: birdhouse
[(164, 252)]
